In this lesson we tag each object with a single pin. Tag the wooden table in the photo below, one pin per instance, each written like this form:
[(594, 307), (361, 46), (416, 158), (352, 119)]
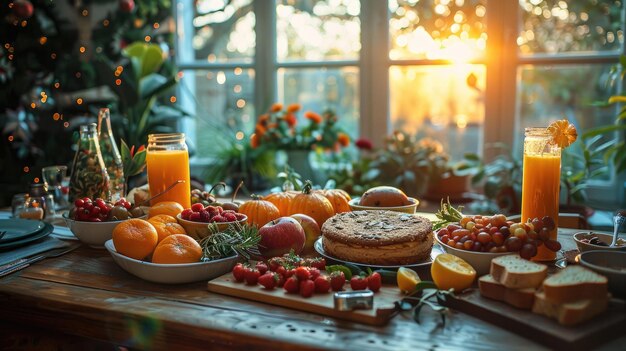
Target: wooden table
[(86, 296)]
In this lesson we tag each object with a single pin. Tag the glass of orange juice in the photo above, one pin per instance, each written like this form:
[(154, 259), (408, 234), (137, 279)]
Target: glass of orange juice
[(167, 160), (540, 182)]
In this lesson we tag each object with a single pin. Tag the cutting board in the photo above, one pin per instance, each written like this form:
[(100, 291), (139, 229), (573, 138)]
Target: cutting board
[(322, 304), (541, 329)]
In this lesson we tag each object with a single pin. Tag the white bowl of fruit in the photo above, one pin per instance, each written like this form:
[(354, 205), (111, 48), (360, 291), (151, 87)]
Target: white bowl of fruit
[(93, 221), (478, 239), (201, 221)]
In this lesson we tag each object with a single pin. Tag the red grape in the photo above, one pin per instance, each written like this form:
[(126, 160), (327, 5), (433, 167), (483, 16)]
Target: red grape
[(527, 251), (483, 238), (513, 243)]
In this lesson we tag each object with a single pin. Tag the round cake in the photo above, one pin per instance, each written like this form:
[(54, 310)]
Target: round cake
[(378, 237)]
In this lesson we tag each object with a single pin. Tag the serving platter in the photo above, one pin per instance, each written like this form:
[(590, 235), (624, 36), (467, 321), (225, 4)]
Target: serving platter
[(319, 248)]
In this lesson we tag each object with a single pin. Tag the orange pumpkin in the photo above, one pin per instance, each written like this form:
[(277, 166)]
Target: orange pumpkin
[(313, 204), (281, 200), (259, 211), (339, 199)]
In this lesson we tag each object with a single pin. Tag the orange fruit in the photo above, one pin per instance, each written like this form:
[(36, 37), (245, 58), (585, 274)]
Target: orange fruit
[(135, 238), (169, 208), (407, 279), (166, 225), (563, 133), (177, 248), (451, 272)]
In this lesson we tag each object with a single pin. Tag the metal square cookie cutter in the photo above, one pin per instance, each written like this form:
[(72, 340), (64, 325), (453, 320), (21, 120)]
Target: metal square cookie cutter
[(350, 300)]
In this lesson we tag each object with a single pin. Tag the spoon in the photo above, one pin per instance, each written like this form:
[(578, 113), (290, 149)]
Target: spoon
[(618, 220), (161, 193)]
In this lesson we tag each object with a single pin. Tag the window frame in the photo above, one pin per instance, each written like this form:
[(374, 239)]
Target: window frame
[(502, 60)]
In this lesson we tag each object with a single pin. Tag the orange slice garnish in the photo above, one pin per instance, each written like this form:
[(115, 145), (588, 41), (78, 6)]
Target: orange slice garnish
[(563, 133)]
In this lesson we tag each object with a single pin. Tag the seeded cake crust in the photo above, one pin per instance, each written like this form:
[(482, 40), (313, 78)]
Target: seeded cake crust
[(378, 237)]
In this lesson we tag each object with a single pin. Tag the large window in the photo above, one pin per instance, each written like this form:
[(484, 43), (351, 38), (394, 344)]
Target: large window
[(466, 72)]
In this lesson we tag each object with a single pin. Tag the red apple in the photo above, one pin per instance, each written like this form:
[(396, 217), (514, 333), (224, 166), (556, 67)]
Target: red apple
[(311, 230), (280, 236)]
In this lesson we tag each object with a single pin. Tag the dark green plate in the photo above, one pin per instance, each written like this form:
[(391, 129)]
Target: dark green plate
[(19, 229), (47, 230)]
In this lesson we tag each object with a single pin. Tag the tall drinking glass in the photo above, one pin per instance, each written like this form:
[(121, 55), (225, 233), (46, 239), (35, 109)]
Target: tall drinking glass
[(541, 182), (167, 161), (54, 176)]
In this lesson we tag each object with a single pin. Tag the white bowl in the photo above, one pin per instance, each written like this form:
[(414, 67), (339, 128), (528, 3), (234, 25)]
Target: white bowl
[(606, 238), (94, 234), (481, 261), (172, 273)]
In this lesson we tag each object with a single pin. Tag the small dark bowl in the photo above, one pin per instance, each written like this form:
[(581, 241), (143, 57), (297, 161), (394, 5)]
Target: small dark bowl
[(611, 264)]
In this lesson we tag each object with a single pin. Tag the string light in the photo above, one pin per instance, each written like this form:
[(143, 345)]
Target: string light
[(36, 179), (43, 40), (33, 105), (155, 26), (239, 135), (53, 56), (241, 103), (82, 49), (57, 85), (173, 99), (85, 13), (66, 124), (11, 138), (118, 82), (24, 23), (147, 38), (79, 101), (26, 169), (78, 75), (105, 23), (238, 71)]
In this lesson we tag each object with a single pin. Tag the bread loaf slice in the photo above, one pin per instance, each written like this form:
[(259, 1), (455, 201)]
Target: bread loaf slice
[(515, 272), (570, 313), (520, 298), (575, 283)]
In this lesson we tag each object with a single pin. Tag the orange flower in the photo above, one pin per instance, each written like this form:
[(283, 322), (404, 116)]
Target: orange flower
[(343, 139), (314, 117), (276, 107), (272, 126), (254, 141), (290, 118), (293, 108), (263, 119), (260, 129)]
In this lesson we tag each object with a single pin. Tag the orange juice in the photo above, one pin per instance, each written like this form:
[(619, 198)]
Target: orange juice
[(166, 165), (540, 186)]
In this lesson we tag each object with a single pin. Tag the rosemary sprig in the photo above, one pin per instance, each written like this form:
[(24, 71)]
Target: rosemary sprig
[(237, 238), (447, 214), (418, 299)]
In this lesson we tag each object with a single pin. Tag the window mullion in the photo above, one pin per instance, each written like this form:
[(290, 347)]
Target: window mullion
[(374, 71), (265, 74), (500, 90)]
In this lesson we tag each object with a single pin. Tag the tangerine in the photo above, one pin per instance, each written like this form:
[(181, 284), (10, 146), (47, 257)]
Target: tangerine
[(170, 208), (135, 238), (177, 248), (166, 225)]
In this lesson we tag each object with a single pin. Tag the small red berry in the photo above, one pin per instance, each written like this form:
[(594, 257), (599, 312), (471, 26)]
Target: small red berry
[(307, 287), (186, 213), (337, 280), (261, 266), (292, 285), (358, 282), (322, 284), (251, 275), (374, 282), (303, 273), (197, 207)]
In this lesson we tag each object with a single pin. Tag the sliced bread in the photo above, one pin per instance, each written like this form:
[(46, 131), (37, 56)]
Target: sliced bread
[(570, 313), (515, 272), (520, 298), (575, 283)]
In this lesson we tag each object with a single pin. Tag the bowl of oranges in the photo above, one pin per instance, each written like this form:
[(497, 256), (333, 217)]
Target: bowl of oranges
[(93, 221), (159, 250)]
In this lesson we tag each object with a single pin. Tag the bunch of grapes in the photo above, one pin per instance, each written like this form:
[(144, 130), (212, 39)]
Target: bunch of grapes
[(99, 210), (496, 234)]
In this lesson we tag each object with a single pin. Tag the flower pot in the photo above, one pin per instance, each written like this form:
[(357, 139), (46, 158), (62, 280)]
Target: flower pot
[(300, 161), (449, 185)]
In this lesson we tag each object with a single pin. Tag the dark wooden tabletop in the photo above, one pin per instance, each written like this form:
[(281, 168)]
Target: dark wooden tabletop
[(85, 294)]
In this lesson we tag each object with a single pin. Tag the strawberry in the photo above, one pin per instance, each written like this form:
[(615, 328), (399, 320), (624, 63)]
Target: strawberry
[(303, 273), (290, 272), (205, 216), (374, 282), (212, 210), (319, 263), (358, 282), (262, 267), (239, 272), (337, 280), (280, 279), (219, 209), (274, 262), (292, 285), (322, 284), (186, 213), (282, 271), (251, 275), (269, 280), (230, 217), (197, 207), (195, 217), (314, 272), (307, 287)]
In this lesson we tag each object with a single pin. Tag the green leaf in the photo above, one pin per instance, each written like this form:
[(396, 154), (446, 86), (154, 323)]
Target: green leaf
[(340, 268), (604, 130), (146, 57)]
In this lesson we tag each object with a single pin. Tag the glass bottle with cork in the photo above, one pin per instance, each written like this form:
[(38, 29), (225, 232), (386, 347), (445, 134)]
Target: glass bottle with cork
[(111, 155), (89, 177)]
